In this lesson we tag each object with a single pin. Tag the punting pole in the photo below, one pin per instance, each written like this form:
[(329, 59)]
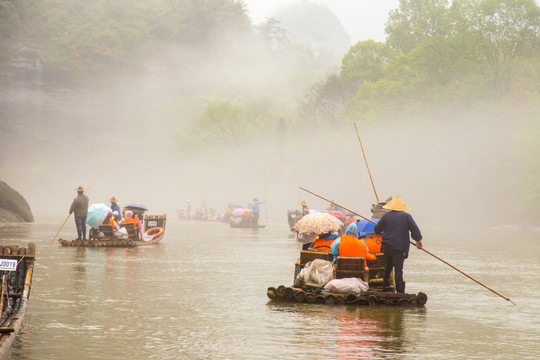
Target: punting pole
[(85, 191), (365, 160), (426, 251)]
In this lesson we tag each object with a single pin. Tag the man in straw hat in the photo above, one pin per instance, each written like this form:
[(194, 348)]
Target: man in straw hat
[(116, 207), (305, 209), (395, 227), (79, 207)]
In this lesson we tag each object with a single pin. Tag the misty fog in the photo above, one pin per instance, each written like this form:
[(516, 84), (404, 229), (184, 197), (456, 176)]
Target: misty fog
[(119, 131)]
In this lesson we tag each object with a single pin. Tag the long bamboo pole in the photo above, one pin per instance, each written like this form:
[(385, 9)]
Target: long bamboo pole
[(265, 199), (85, 191), (367, 166), (421, 248)]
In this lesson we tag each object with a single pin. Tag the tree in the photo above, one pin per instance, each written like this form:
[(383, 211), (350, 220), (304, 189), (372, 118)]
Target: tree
[(273, 35), (325, 100), (9, 19), (225, 125), (504, 31), (414, 21), (364, 62)]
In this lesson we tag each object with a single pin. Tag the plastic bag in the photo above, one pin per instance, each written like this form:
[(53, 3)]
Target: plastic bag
[(317, 273), (121, 233), (346, 285)]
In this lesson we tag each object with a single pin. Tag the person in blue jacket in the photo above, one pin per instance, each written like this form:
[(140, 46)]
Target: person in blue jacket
[(116, 207), (395, 227), (255, 210)]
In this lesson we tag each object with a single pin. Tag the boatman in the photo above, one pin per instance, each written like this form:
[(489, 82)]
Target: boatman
[(79, 207), (255, 210), (395, 227), (116, 207)]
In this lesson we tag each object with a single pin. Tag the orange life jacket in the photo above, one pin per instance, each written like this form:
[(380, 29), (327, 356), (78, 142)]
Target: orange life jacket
[(352, 246), (373, 242), (323, 244), (128, 219), (111, 221)]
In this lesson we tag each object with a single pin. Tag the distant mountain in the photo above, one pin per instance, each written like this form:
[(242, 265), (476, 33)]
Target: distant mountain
[(316, 25)]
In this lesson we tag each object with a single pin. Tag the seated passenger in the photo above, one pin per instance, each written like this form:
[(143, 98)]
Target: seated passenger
[(350, 245), (115, 216), (322, 242), (129, 218), (109, 219), (373, 242)]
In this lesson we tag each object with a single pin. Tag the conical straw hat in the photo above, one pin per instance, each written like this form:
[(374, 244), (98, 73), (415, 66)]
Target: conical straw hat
[(396, 204)]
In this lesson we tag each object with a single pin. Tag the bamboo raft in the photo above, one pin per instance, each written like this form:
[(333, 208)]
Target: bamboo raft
[(370, 271), (371, 298), (16, 284), (104, 235)]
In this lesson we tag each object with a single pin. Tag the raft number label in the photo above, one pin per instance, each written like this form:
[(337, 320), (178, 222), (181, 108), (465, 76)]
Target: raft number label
[(8, 265)]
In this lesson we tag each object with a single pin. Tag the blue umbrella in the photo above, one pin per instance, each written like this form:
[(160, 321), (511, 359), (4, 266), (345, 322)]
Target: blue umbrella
[(365, 227), (96, 213)]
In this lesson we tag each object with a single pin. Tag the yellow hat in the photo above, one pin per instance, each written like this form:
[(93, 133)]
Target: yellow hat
[(80, 188), (113, 200), (396, 204), (303, 203)]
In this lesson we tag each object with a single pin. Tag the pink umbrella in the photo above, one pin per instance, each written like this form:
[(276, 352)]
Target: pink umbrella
[(237, 212), (338, 214)]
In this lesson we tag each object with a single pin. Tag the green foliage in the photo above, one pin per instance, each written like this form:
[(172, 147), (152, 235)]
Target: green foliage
[(449, 57), (324, 101), (503, 32), (226, 124), (273, 34), (364, 62), (88, 37), (9, 19), (414, 21)]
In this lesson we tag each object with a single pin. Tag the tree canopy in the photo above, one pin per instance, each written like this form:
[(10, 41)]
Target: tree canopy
[(87, 37)]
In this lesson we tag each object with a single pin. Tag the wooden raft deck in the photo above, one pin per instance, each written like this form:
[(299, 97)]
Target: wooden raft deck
[(371, 298), (15, 291)]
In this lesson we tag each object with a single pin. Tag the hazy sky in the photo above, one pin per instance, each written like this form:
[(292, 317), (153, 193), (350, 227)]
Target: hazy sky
[(362, 19)]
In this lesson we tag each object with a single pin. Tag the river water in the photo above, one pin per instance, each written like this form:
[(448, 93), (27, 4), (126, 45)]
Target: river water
[(201, 294)]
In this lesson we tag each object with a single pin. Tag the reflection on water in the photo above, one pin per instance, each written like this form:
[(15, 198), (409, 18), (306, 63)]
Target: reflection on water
[(371, 333), (201, 294)]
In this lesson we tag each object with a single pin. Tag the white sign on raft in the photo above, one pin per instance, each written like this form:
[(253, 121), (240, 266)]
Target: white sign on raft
[(8, 264)]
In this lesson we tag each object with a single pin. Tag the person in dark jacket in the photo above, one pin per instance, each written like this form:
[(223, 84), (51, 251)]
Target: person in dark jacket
[(116, 207), (79, 207), (395, 227)]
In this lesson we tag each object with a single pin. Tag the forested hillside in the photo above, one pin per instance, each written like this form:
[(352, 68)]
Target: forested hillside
[(468, 68)]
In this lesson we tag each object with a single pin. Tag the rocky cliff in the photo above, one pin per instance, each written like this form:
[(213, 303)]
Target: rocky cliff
[(13, 207)]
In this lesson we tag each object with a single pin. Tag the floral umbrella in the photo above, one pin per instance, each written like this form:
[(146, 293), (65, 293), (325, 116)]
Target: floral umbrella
[(318, 223)]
